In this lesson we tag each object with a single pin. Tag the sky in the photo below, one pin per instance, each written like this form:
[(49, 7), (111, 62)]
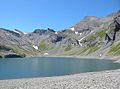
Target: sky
[(27, 15)]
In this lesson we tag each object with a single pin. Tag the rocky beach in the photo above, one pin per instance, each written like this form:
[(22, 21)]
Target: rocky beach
[(92, 80)]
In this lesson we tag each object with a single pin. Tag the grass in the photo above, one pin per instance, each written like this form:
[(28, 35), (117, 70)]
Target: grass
[(68, 48), (42, 45), (93, 49), (89, 49), (23, 51), (91, 37), (114, 50), (101, 34), (19, 51), (86, 50)]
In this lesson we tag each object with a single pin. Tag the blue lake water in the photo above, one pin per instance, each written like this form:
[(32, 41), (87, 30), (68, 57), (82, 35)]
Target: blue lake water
[(13, 68)]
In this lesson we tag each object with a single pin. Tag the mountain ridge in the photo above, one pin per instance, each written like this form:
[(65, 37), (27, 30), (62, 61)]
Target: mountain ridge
[(92, 36)]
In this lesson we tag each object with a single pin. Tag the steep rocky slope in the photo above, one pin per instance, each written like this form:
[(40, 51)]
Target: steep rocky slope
[(98, 37)]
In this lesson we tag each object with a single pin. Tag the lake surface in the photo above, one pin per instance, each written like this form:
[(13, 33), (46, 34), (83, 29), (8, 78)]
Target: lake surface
[(46, 67)]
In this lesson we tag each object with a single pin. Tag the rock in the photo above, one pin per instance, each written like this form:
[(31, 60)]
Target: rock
[(56, 38), (0, 56), (51, 30), (14, 56), (40, 31), (3, 48), (11, 32), (112, 30)]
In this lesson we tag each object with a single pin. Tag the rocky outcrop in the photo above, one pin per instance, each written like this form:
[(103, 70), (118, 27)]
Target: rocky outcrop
[(113, 29), (14, 56), (40, 31), (56, 38), (43, 31)]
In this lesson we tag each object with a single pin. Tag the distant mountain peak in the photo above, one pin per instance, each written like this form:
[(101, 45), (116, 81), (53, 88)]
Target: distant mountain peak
[(90, 18)]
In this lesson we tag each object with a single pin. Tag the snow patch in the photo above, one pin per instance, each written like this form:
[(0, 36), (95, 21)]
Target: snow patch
[(56, 33), (80, 33), (46, 54), (76, 33), (25, 33), (72, 29), (100, 55), (35, 47), (80, 41), (92, 31), (16, 31)]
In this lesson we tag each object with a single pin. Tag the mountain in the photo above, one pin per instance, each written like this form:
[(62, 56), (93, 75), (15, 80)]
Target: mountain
[(92, 36)]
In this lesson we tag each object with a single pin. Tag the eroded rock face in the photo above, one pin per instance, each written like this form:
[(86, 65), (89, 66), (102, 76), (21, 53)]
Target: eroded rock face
[(56, 38), (113, 29)]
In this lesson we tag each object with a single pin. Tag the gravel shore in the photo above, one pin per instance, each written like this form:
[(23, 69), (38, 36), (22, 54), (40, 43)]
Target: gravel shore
[(93, 80)]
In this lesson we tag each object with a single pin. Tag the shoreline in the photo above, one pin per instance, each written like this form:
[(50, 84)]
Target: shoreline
[(115, 59), (107, 79), (93, 80)]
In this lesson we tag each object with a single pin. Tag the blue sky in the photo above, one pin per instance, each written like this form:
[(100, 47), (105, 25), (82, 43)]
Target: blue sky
[(27, 15)]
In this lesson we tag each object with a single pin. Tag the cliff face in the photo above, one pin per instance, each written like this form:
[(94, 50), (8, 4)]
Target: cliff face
[(90, 37)]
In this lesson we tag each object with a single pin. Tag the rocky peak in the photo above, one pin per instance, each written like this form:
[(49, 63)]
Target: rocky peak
[(115, 14), (10, 32), (51, 30), (89, 22), (40, 31), (43, 31), (90, 18)]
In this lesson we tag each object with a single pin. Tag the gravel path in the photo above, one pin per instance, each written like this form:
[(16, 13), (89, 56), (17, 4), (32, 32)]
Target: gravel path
[(93, 80)]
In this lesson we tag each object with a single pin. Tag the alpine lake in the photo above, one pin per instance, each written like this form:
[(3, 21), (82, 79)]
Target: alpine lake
[(14, 68)]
